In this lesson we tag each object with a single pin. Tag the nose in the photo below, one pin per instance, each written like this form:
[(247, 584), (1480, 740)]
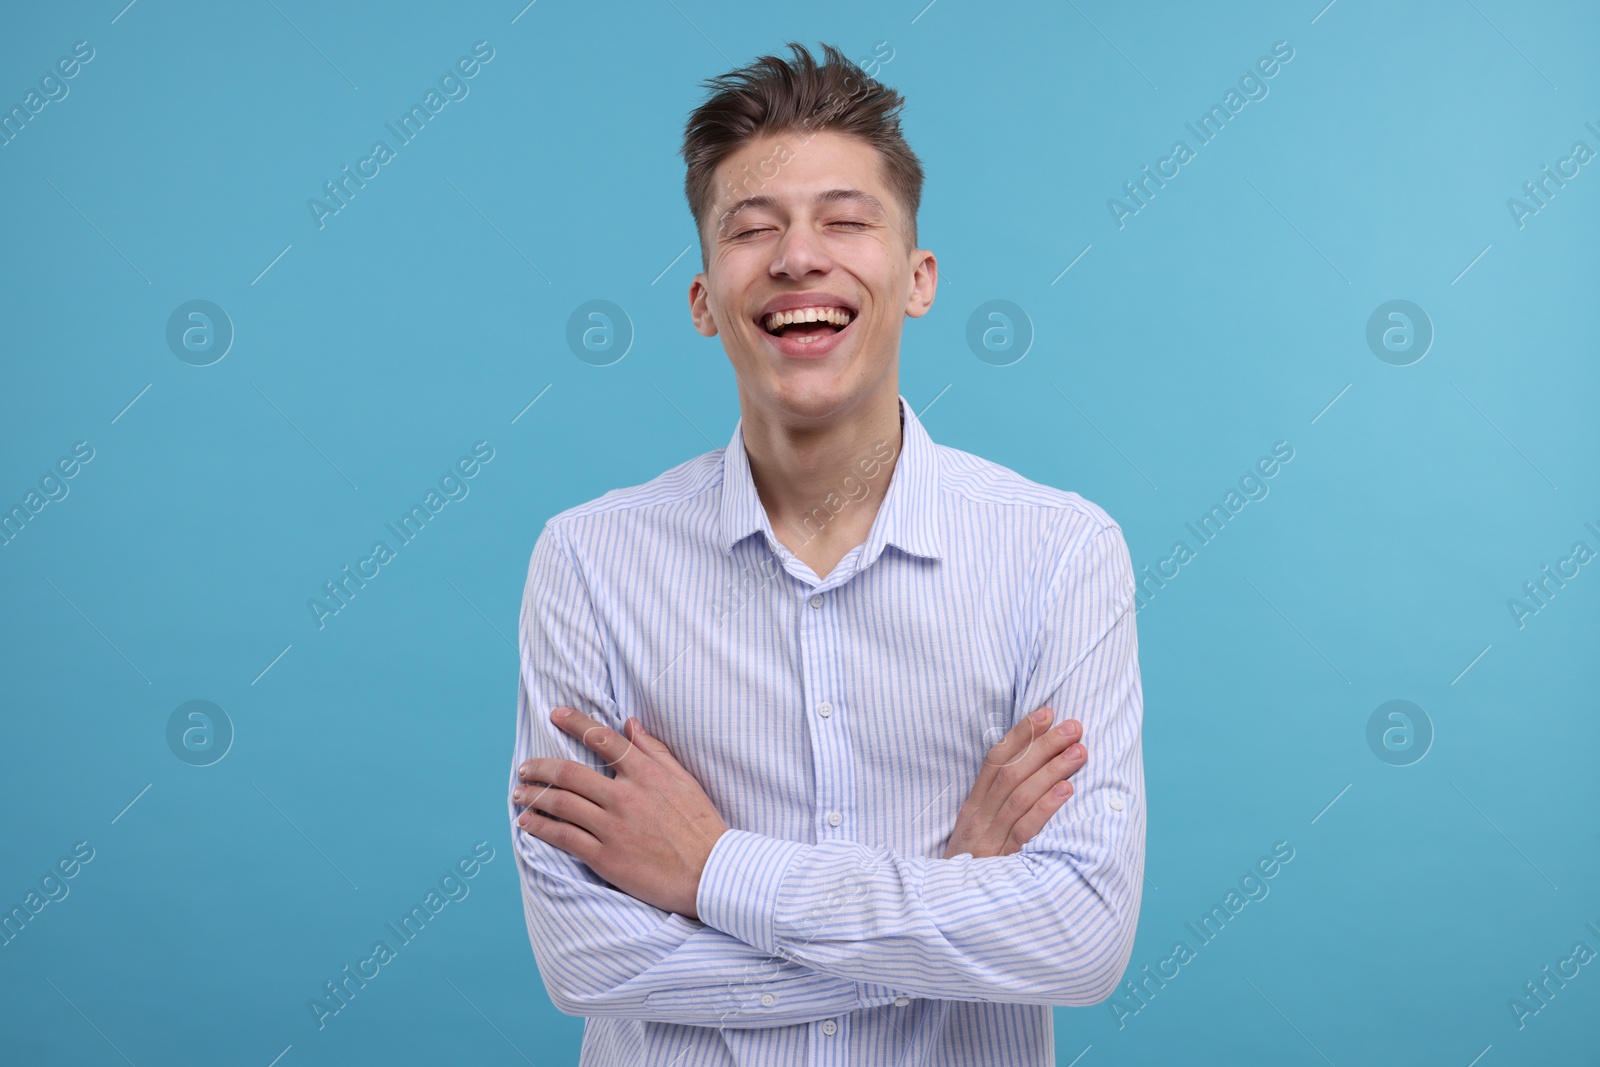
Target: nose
[(799, 252)]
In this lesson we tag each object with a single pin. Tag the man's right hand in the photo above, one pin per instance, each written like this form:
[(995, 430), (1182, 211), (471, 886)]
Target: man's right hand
[(1016, 792)]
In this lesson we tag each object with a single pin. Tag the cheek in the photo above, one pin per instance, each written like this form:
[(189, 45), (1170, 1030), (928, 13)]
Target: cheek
[(719, 309)]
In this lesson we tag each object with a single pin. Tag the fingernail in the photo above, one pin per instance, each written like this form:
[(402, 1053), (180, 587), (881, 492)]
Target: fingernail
[(560, 714), (1041, 716), (1063, 788), (524, 819)]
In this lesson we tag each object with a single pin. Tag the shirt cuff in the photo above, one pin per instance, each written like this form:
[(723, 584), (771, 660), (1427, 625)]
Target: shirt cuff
[(738, 891)]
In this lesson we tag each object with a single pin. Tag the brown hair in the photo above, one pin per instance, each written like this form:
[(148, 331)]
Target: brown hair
[(774, 96)]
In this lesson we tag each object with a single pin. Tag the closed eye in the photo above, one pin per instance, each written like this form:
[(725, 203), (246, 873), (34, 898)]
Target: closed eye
[(762, 229)]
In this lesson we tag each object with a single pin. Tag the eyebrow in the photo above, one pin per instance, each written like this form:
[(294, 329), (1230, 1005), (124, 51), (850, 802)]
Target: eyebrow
[(830, 196)]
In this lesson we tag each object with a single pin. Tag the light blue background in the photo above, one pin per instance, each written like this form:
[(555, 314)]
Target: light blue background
[(1225, 316)]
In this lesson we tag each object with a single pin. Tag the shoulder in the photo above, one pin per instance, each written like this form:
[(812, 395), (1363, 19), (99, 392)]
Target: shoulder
[(973, 482), (673, 489)]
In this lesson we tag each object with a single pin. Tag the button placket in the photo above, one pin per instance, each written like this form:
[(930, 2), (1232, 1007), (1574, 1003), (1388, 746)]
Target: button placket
[(831, 748)]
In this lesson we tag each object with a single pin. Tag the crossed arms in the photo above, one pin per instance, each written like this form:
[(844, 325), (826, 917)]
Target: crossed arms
[(789, 932)]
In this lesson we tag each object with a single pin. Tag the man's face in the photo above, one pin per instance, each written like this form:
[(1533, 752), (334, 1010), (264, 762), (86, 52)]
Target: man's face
[(809, 224)]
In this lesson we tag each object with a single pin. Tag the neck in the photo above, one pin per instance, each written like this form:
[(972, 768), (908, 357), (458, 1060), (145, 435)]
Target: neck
[(822, 484)]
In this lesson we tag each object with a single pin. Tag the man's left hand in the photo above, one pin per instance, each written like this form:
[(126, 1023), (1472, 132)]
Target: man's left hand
[(648, 831)]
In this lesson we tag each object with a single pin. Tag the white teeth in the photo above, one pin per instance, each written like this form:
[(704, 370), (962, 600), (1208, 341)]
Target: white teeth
[(836, 315)]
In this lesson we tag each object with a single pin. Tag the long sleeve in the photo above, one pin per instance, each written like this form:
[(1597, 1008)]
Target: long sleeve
[(1051, 924), (602, 952)]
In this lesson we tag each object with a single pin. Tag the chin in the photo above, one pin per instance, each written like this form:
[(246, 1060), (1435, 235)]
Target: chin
[(814, 399)]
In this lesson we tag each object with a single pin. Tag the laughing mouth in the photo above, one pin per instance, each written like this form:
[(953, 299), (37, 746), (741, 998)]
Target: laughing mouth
[(807, 325)]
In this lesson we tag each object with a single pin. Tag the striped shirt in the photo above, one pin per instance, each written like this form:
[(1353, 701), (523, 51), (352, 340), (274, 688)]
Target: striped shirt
[(837, 725)]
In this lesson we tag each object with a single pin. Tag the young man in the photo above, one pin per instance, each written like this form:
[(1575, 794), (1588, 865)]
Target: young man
[(778, 797)]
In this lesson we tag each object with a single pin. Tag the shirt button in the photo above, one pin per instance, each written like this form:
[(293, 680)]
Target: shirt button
[(834, 818), (816, 600), (768, 1000), (824, 709), (901, 1002), (1116, 803), (829, 1027)]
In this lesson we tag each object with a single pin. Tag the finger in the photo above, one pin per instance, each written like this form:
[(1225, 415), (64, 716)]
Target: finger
[(599, 738), (1027, 828), (653, 747), (1032, 753), (1019, 740), (1003, 752), (572, 776), (1026, 796), (570, 839), (564, 805)]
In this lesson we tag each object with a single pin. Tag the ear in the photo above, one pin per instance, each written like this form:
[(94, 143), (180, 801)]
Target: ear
[(924, 282), (705, 322)]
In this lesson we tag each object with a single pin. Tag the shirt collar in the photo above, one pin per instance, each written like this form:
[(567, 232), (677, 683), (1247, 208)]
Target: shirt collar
[(907, 518)]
